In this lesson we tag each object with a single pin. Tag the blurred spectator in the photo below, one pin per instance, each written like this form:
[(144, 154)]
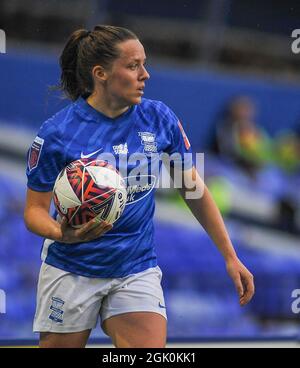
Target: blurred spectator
[(240, 139), (287, 151), (268, 165), (297, 129)]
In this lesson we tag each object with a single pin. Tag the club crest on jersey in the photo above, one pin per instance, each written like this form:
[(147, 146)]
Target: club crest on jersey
[(148, 141), (121, 149), (35, 152), (56, 306)]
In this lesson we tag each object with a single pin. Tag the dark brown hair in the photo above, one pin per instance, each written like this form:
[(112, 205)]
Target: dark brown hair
[(85, 49)]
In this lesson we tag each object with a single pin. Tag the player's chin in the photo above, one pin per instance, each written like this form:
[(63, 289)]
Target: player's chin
[(136, 100)]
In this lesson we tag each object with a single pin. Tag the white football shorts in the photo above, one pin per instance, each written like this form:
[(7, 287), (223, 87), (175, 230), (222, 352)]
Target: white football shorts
[(71, 303)]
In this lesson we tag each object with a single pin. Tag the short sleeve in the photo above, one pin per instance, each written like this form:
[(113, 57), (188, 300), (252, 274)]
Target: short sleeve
[(180, 148), (45, 159)]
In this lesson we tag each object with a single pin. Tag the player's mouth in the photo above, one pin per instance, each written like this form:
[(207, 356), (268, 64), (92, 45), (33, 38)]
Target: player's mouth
[(141, 90)]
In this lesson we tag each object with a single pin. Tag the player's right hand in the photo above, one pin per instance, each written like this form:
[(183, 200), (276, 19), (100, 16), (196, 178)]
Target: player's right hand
[(89, 231)]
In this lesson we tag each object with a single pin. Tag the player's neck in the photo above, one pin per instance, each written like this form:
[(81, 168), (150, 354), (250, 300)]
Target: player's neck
[(105, 106)]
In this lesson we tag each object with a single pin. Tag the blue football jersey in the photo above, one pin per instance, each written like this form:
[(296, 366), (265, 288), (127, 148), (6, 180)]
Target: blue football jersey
[(80, 131)]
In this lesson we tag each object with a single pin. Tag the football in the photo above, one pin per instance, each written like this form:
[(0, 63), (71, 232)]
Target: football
[(86, 190)]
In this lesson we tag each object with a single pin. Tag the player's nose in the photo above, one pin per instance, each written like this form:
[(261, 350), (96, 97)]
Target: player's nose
[(145, 75)]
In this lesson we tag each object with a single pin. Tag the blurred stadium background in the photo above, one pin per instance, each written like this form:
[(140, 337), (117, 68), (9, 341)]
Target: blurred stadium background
[(227, 69)]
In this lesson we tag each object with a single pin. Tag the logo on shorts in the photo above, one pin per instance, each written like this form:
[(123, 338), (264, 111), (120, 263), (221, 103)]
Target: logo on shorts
[(161, 306), (56, 310)]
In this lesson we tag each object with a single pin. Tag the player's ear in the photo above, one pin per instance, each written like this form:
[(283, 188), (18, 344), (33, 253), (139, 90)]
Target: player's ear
[(99, 73)]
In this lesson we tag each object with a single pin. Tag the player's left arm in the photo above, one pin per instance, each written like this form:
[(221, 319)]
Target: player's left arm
[(208, 215)]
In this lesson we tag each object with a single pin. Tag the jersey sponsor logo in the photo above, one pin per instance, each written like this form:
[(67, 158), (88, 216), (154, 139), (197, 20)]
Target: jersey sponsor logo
[(56, 306), (148, 141), (138, 191), (90, 154), (185, 138), (121, 149), (35, 152)]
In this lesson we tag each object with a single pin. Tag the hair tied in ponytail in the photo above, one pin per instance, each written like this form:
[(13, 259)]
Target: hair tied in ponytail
[(80, 55)]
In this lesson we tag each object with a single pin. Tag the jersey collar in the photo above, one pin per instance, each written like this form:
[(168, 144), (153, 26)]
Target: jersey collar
[(89, 113)]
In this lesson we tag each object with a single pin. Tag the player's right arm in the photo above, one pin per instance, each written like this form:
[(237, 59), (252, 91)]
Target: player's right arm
[(38, 221)]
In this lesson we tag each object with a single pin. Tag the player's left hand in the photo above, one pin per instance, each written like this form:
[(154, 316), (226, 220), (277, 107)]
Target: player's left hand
[(242, 279), (89, 231)]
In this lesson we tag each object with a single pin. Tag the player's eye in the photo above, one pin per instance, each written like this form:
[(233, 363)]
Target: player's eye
[(133, 66)]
